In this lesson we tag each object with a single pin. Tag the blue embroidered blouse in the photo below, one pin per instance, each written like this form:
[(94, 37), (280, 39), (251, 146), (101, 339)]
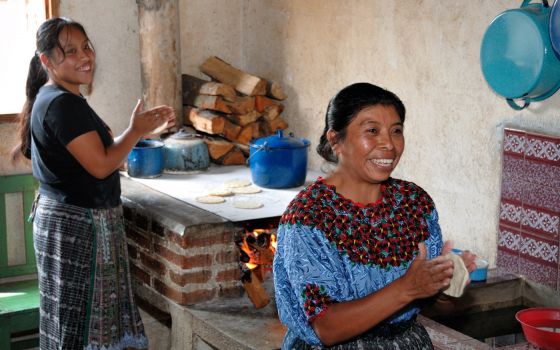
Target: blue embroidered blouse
[(331, 249)]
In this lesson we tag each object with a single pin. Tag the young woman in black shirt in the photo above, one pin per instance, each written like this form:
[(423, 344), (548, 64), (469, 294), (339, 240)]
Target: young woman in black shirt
[(84, 278)]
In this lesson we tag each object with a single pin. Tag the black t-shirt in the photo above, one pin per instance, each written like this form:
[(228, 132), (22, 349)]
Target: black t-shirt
[(58, 117)]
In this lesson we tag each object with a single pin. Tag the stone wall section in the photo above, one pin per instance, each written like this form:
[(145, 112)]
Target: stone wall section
[(199, 264)]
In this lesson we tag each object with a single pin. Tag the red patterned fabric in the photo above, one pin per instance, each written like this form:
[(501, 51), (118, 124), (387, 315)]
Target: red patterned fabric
[(385, 233), (316, 299)]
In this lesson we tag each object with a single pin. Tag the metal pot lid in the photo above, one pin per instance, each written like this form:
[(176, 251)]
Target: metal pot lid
[(148, 143), (279, 141), (185, 136)]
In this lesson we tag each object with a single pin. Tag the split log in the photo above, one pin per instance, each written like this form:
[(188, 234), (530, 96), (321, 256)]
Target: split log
[(231, 130), (241, 104), (259, 273), (273, 111), (196, 86), (274, 90), (268, 127), (233, 157), (262, 102), (277, 123), (244, 148), (211, 123), (243, 82), (249, 132), (215, 103), (261, 256), (205, 121), (217, 147), (244, 119), (256, 292)]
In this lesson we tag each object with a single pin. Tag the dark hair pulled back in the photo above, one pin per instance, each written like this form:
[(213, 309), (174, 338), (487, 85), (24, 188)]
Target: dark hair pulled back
[(344, 107), (47, 40)]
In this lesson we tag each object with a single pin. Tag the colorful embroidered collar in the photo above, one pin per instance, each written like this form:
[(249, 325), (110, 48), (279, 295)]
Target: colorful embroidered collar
[(385, 233)]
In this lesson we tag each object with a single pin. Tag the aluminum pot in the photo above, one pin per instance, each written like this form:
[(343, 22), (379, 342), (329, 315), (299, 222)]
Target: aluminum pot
[(145, 160), (278, 161), (185, 151), (516, 55)]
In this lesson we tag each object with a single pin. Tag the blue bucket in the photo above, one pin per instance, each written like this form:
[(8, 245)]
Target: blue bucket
[(145, 160), (517, 57)]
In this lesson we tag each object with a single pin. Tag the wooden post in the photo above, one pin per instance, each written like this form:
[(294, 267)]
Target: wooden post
[(52, 8), (160, 54)]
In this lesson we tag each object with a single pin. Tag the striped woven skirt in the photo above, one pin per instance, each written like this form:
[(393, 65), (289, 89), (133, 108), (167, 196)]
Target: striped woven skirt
[(86, 300)]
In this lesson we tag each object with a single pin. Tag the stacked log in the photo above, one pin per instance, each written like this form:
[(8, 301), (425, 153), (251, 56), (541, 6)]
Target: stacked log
[(232, 109)]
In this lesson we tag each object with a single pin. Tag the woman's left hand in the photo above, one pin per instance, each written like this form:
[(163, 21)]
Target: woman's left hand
[(468, 257), (145, 122), (469, 260)]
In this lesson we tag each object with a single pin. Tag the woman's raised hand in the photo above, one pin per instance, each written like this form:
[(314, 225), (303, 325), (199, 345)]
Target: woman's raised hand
[(468, 257), (145, 122), (426, 277)]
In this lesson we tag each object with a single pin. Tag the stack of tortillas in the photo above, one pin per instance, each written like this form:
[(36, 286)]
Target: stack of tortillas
[(460, 276), (231, 187)]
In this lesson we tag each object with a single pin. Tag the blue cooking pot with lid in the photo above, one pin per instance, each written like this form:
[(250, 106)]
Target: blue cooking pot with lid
[(278, 161), (516, 55)]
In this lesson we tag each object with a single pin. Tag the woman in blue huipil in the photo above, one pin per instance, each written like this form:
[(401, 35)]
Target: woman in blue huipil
[(359, 252)]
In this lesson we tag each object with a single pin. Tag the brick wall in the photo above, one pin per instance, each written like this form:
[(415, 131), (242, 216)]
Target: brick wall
[(196, 265)]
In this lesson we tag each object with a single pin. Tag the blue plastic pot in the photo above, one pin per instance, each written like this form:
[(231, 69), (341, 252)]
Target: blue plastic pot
[(516, 55), (278, 162), (145, 160)]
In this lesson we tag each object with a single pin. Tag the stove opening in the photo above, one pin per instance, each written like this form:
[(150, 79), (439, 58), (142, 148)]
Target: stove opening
[(257, 247)]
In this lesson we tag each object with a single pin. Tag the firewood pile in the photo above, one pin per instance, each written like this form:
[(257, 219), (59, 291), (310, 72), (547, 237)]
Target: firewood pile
[(231, 109)]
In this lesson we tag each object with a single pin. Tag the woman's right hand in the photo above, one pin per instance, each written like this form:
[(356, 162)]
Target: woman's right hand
[(426, 278), (144, 122)]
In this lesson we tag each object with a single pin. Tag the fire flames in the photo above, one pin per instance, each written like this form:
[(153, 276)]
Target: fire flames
[(257, 249)]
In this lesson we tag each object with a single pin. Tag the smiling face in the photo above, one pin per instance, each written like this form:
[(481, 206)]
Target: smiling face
[(372, 145), (74, 65)]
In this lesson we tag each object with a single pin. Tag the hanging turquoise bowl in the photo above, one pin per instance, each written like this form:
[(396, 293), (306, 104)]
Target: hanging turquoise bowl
[(516, 55), (554, 27)]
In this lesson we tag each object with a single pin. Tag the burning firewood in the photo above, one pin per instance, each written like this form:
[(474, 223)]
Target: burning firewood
[(255, 290), (256, 253)]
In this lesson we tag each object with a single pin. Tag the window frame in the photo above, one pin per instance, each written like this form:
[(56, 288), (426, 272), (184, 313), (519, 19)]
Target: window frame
[(51, 10)]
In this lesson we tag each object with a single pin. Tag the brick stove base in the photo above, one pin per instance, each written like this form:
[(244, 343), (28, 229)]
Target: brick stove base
[(185, 263), (182, 252)]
